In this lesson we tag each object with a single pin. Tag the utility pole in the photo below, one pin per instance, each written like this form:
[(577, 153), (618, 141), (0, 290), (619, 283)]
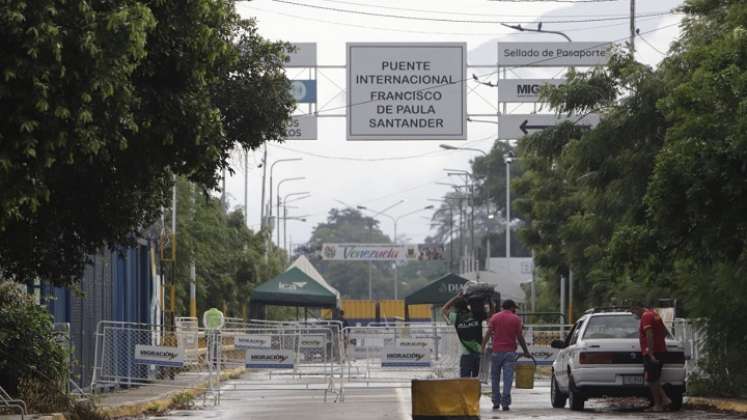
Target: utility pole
[(246, 187), (632, 27), (264, 182)]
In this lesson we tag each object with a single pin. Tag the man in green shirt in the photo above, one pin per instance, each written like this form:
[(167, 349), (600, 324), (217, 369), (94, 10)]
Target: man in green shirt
[(469, 330)]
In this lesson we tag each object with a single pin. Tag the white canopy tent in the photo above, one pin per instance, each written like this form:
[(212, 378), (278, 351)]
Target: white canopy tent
[(303, 264)]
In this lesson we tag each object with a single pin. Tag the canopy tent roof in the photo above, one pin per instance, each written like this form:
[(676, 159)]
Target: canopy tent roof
[(437, 292), (294, 288), (305, 265)]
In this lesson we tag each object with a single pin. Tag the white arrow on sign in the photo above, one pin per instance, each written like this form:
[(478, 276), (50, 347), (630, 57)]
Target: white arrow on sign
[(516, 126)]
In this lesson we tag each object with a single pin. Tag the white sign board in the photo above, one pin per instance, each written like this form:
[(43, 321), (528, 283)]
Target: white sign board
[(369, 252), (269, 359), (553, 54), (253, 342), (159, 355), (303, 56), (406, 91), (316, 342), (516, 126), (302, 127), (398, 356), (524, 90)]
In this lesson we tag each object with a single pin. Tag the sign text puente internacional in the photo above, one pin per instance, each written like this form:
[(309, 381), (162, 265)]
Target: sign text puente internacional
[(403, 91)]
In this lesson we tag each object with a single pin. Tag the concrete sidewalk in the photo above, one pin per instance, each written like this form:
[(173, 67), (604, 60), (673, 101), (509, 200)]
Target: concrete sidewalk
[(156, 398)]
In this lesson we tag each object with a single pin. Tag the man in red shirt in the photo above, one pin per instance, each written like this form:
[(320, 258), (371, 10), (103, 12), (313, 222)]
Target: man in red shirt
[(652, 335), (506, 329)]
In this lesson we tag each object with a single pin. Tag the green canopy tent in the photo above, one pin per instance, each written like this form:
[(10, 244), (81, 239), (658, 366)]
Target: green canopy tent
[(437, 292), (292, 288)]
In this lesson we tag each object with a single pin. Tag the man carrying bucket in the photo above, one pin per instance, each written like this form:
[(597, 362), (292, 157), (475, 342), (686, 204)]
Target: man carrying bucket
[(506, 329)]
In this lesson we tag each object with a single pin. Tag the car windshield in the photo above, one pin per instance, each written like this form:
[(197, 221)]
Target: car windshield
[(612, 326)]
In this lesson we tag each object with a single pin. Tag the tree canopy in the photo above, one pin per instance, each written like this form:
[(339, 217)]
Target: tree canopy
[(104, 102), (651, 202)]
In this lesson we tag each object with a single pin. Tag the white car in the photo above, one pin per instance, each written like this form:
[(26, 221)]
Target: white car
[(601, 357)]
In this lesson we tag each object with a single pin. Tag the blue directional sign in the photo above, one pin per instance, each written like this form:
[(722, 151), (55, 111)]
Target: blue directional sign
[(303, 91)]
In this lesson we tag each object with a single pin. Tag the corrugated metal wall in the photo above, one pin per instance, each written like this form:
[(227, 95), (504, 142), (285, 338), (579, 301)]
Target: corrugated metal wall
[(117, 286)]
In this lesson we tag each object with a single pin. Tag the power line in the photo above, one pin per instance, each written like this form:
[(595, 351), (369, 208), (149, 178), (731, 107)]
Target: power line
[(412, 31), (555, 1), (380, 159), (454, 12), (473, 21), (645, 41)]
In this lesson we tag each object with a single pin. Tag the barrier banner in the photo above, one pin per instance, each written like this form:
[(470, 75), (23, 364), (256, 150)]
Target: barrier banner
[(312, 342), (398, 356), (253, 342), (159, 355), (269, 359)]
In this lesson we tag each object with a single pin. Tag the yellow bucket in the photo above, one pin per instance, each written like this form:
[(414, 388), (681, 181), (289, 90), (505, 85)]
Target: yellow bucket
[(524, 372)]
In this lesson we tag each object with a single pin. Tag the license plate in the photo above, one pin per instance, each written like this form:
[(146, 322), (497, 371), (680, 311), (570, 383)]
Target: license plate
[(632, 379)]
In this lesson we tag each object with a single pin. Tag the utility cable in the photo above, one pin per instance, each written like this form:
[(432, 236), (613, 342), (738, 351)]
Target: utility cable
[(471, 21), (645, 41), (412, 31), (454, 12)]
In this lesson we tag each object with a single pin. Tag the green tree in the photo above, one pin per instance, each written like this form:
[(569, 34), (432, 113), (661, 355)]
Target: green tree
[(31, 359), (103, 102), (228, 257)]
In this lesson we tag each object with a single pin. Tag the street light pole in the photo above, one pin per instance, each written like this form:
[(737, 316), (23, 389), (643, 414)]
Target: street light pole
[(305, 194), (297, 178), (451, 230), (508, 159)]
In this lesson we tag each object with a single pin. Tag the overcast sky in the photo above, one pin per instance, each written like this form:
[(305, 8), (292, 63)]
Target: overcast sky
[(336, 169)]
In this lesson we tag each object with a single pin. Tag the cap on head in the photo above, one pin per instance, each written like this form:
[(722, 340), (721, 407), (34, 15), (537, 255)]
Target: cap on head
[(508, 304)]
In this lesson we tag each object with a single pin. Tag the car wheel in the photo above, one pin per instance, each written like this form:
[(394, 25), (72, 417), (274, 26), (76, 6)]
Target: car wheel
[(575, 399), (676, 397), (557, 397)]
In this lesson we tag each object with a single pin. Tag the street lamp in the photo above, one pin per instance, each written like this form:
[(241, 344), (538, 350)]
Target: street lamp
[(395, 220), (472, 149), (471, 185), (300, 196), (297, 178), (451, 229), (272, 167), (508, 158)]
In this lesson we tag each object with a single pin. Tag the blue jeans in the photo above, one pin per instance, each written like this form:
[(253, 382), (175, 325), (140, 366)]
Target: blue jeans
[(502, 361)]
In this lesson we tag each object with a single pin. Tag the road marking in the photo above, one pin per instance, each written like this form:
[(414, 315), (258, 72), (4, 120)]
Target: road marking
[(404, 406)]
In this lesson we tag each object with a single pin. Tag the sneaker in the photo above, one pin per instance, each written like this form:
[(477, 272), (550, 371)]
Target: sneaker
[(496, 406), (505, 408)]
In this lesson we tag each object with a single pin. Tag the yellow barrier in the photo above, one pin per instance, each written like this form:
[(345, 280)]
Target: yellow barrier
[(420, 312), (446, 399), (359, 309), (389, 309)]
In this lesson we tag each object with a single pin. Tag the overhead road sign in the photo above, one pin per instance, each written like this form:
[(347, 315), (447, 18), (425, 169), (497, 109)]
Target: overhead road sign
[(553, 54), (524, 90), (406, 91), (302, 127), (516, 126), (304, 55), (303, 91)]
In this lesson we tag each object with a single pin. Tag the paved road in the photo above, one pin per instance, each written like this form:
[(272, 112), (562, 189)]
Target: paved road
[(394, 404)]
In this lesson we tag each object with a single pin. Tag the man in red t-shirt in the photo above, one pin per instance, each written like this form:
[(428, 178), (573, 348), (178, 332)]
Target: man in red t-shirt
[(652, 335), (506, 329)]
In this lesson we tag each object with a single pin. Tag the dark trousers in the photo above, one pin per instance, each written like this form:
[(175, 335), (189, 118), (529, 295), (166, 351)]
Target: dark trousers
[(469, 365)]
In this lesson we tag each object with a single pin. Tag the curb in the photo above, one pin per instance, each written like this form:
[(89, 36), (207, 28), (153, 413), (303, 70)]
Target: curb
[(163, 403), (720, 404)]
